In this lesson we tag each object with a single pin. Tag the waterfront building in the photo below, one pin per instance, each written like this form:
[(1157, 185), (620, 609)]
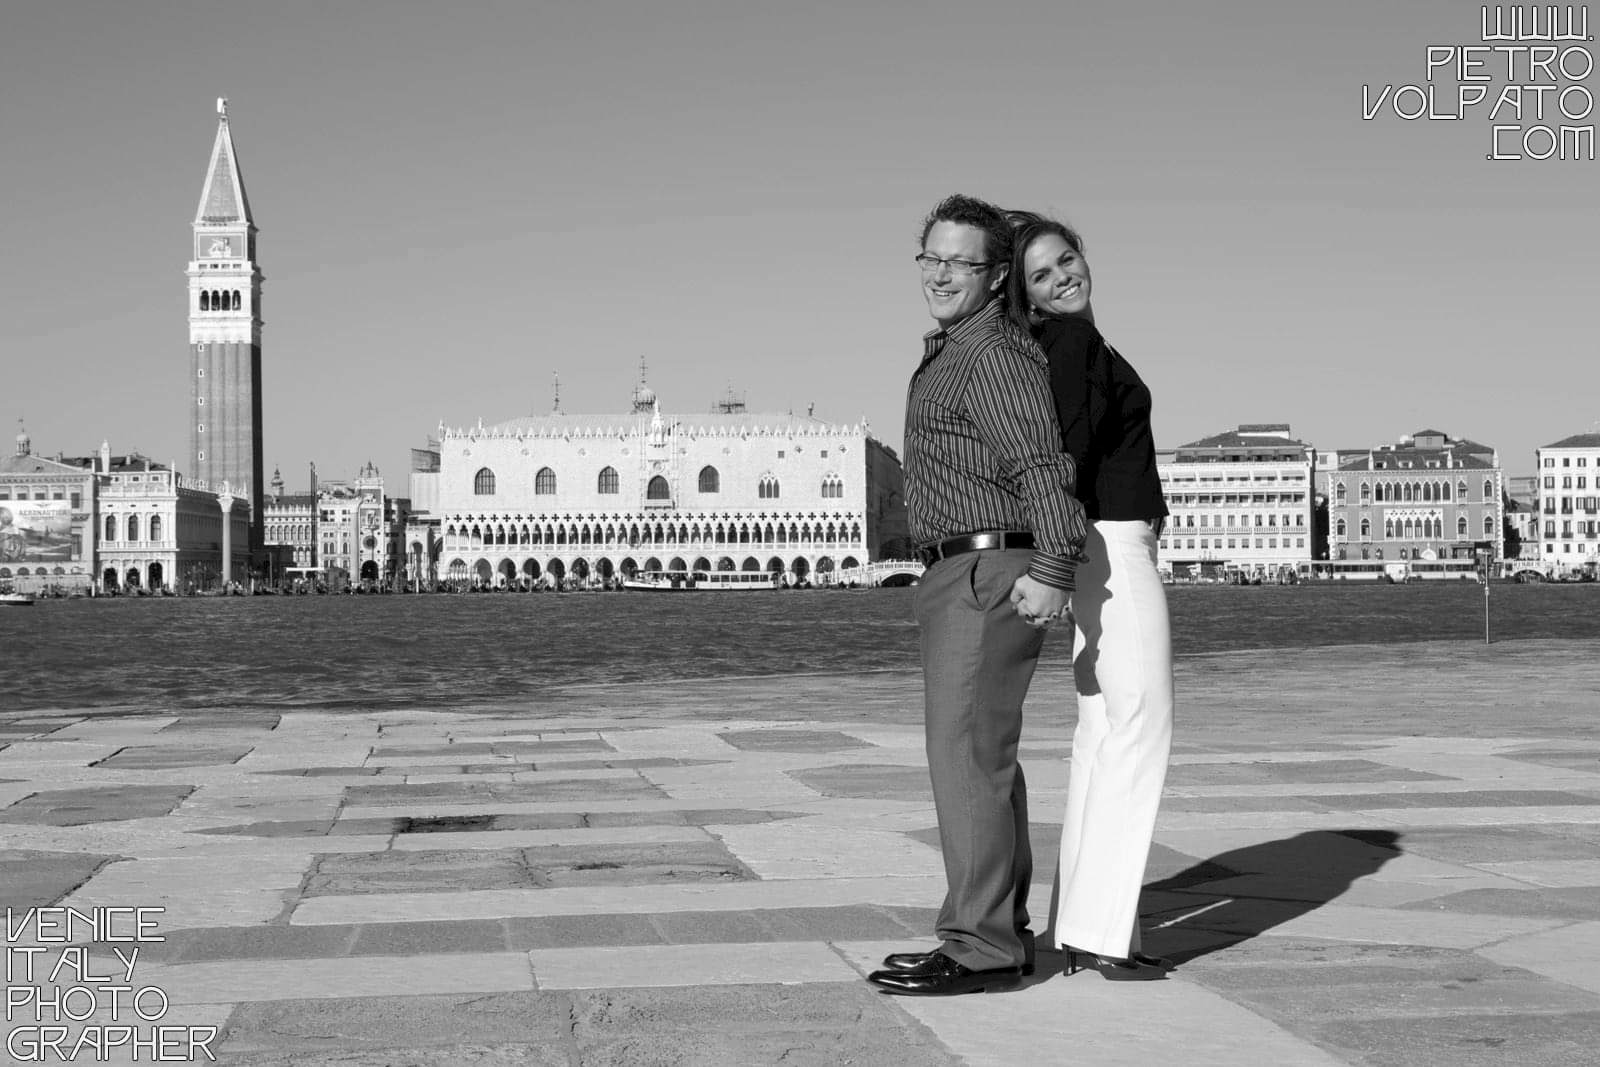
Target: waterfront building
[(558, 497), (352, 538), (1240, 502), (225, 335), (158, 530), (420, 533), (1429, 496), (46, 522), (289, 529), (1569, 503)]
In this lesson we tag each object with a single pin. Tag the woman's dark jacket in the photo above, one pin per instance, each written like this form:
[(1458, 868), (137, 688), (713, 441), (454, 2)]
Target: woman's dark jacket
[(1104, 409)]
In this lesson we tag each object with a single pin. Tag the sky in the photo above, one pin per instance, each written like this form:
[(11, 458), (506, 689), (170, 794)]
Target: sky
[(459, 204)]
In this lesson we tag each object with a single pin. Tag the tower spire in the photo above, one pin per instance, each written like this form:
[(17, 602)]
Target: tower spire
[(222, 198)]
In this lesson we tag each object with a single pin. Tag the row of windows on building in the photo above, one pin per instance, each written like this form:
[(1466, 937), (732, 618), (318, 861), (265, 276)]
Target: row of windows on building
[(1566, 481), (1237, 521), (658, 488), (1179, 543), (298, 533), (1233, 499), (132, 528), (75, 499), (1412, 530), (1570, 529), (658, 533), (458, 569), (1411, 492), (1570, 505), (214, 300), (1566, 461)]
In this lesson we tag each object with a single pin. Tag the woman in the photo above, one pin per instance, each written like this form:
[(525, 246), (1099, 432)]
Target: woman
[(1122, 647)]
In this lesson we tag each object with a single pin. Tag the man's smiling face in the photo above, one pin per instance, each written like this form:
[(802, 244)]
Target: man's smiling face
[(952, 296)]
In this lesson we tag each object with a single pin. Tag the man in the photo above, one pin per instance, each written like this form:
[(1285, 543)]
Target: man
[(989, 491)]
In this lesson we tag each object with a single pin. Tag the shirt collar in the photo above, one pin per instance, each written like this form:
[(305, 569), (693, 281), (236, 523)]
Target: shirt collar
[(975, 323)]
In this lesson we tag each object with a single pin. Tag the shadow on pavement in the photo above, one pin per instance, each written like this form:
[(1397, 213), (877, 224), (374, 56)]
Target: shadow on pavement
[(1237, 895)]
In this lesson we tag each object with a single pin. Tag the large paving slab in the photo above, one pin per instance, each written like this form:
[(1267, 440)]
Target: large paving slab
[(1400, 867)]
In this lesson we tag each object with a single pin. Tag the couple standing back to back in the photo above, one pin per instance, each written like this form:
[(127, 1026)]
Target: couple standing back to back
[(1033, 496)]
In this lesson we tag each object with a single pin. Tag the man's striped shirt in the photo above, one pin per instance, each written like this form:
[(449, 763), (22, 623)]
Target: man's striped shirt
[(983, 449)]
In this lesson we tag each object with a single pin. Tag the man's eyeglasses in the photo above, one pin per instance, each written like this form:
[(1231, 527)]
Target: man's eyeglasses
[(957, 266)]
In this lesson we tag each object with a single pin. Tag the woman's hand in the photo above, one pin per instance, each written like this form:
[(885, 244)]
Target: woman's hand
[(1038, 604)]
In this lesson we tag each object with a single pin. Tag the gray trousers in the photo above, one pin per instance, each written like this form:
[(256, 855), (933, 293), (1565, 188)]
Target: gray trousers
[(977, 661)]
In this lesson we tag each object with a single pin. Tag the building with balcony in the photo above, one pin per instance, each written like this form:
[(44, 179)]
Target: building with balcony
[(560, 498), (1428, 496), (1240, 502), (159, 530), (1569, 503)]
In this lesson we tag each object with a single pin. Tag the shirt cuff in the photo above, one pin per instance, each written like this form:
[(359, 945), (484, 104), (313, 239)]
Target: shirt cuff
[(1057, 571)]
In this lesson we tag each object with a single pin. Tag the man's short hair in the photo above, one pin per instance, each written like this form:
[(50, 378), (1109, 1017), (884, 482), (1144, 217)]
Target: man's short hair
[(979, 214)]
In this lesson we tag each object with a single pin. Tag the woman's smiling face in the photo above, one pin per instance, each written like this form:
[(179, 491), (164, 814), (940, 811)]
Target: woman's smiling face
[(1056, 277)]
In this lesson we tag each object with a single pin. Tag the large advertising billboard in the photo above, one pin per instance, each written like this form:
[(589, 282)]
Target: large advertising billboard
[(36, 531)]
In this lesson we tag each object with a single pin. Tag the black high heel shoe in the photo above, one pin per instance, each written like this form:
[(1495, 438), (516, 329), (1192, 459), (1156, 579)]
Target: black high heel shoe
[(1140, 968)]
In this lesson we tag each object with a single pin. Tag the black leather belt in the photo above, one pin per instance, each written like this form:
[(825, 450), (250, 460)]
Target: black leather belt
[(955, 546)]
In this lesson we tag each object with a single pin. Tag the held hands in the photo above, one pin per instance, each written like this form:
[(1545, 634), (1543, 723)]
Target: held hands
[(1039, 604)]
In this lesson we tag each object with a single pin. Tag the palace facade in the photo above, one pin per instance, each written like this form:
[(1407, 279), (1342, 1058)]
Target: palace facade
[(159, 530), (1429, 496), (559, 498)]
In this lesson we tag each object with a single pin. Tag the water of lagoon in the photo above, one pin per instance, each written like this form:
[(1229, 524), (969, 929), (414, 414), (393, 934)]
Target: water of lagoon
[(373, 652)]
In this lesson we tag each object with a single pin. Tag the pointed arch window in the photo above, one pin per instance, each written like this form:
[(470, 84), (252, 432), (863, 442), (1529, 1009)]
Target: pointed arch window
[(710, 481), (658, 489), (1461, 526), (1461, 489), (1366, 493), (483, 482), (544, 483), (1488, 525), (1339, 528), (768, 489), (1338, 494), (608, 481), (1488, 489)]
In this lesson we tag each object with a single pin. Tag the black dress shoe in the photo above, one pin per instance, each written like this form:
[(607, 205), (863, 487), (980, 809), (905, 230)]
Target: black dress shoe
[(903, 962), (941, 976)]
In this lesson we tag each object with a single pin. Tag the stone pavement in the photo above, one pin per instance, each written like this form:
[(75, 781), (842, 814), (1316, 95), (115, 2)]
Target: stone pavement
[(1367, 855)]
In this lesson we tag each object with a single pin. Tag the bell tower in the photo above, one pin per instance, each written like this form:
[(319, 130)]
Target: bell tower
[(225, 335)]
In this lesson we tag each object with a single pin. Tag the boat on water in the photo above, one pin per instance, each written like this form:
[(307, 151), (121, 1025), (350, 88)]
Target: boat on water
[(9, 596), (702, 581)]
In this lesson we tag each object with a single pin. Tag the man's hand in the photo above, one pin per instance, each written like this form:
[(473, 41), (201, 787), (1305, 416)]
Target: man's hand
[(1037, 603)]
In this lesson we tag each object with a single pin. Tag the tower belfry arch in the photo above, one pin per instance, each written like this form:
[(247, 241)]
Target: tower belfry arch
[(225, 439)]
